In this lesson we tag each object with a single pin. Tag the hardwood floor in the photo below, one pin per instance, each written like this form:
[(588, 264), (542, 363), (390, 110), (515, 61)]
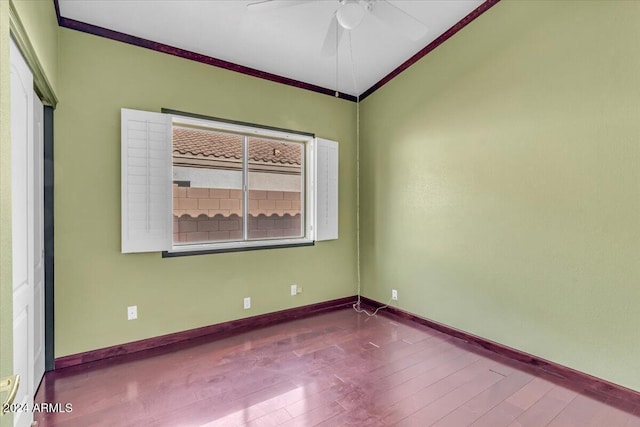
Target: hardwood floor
[(335, 369)]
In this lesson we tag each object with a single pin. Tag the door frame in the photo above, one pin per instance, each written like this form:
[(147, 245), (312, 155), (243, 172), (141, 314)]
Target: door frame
[(49, 277), (45, 91), (44, 135)]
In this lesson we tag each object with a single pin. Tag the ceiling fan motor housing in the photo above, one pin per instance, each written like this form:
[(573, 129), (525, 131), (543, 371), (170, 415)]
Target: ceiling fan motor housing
[(350, 13)]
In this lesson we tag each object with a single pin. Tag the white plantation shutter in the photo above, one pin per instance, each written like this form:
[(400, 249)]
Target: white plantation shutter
[(146, 181), (326, 171)]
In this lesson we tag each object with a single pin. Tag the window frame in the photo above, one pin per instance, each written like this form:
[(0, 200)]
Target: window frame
[(249, 130), (146, 184)]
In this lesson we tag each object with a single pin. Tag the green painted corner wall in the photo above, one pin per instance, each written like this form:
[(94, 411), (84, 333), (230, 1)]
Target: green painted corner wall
[(500, 187), (94, 281)]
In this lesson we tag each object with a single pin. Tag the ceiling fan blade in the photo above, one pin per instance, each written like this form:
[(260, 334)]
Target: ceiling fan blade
[(263, 5), (399, 20), (331, 40)]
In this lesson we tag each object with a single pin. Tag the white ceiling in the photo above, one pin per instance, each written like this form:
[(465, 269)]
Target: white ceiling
[(285, 41)]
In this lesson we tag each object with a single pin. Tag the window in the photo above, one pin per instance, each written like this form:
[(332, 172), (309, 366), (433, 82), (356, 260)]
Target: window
[(233, 186), (192, 184)]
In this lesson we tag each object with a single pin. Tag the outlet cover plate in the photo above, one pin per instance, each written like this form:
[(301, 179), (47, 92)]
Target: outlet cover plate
[(394, 294), (132, 312), (294, 290), (247, 303)]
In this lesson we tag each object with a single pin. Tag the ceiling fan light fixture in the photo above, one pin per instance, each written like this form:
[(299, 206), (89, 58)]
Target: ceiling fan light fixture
[(350, 14)]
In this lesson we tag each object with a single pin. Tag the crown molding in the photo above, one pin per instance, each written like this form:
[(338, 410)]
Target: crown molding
[(19, 34)]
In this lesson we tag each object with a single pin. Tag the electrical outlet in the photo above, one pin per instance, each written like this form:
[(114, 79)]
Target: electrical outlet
[(247, 303), (294, 290), (132, 312), (394, 294), (299, 289)]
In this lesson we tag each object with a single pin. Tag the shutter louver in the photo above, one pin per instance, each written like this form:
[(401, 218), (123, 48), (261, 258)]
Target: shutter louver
[(146, 181), (326, 155)]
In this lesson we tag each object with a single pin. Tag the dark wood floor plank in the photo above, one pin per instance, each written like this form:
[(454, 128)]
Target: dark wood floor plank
[(404, 382), (579, 412), (333, 369), (438, 383), (545, 409), (530, 393), (610, 417), (467, 413), (224, 412), (358, 417), (399, 350), (446, 404), (634, 420), (273, 419), (500, 415), (315, 400), (440, 369), (437, 345), (315, 416)]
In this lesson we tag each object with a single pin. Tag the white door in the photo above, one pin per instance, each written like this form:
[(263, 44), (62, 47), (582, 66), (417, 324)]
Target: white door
[(22, 229), (38, 241)]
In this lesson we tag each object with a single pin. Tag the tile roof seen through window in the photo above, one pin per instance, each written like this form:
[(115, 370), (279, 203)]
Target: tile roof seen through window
[(229, 146)]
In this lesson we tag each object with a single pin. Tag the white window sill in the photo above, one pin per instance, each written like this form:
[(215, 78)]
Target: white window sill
[(212, 248)]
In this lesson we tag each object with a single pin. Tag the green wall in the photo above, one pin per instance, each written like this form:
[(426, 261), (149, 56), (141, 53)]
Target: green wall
[(94, 281), (500, 184)]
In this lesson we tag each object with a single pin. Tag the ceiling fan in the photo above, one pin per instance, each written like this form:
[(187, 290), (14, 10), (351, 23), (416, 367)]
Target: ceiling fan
[(348, 16)]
